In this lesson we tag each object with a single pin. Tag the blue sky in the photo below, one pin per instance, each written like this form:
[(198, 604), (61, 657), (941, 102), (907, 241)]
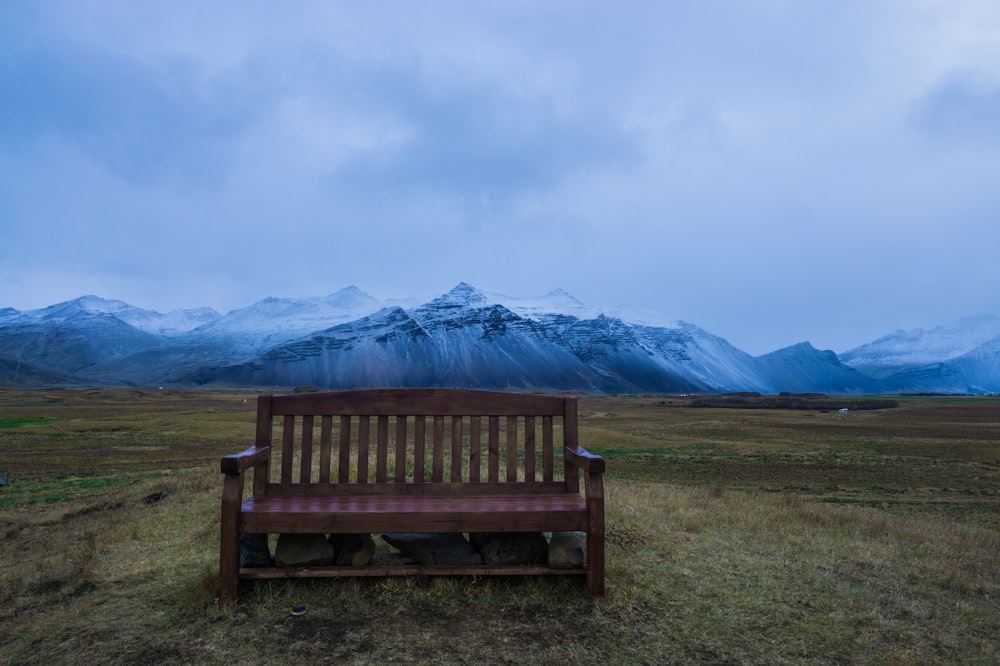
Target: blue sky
[(772, 170)]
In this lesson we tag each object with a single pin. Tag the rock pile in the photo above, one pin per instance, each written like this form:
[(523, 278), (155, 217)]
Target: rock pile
[(563, 550)]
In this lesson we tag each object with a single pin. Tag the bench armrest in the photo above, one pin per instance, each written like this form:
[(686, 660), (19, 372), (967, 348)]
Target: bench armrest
[(237, 463), (590, 463)]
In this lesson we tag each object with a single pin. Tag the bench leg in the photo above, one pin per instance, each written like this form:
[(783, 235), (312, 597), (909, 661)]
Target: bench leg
[(229, 541), (595, 555), (595, 574), (595, 577), (229, 568)]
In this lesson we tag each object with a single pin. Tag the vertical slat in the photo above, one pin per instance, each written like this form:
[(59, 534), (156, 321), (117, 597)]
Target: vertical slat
[(547, 464), (287, 447), (437, 466), (529, 448), (456, 449), (305, 459), (363, 435), (265, 432), (344, 452), (494, 450), (325, 443), (511, 448), (382, 449), (474, 449), (419, 424), (571, 440), (400, 449)]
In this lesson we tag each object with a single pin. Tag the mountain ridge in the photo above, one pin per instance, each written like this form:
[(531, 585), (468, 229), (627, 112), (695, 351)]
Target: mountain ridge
[(465, 337)]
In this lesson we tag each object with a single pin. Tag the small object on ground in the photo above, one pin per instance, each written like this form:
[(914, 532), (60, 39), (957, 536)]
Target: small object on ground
[(156, 497), (299, 610)]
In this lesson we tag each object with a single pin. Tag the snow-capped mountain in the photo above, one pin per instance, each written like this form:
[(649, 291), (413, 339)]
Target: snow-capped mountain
[(464, 338), (273, 321), (173, 323), (962, 357), (467, 338), (911, 349)]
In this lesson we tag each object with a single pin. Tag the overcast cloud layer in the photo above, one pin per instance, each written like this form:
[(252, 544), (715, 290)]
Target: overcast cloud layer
[(773, 171)]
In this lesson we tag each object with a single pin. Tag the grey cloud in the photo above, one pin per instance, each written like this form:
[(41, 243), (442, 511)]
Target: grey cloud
[(961, 108), (475, 138), (145, 123)]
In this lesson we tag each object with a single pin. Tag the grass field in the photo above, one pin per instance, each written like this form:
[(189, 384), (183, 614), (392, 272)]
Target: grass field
[(758, 536)]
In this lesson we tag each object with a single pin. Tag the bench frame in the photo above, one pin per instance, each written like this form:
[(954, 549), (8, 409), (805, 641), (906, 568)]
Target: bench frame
[(509, 483)]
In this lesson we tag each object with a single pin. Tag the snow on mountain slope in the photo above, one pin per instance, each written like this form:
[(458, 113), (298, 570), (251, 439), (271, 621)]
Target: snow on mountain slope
[(918, 347), (273, 321), (173, 323), (703, 357), (554, 302), (559, 302), (977, 371)]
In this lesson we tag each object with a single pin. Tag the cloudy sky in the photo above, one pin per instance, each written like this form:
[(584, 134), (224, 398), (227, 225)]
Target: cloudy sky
[(771, 170)]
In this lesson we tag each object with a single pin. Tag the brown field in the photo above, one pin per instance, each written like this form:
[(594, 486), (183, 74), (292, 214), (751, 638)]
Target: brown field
[(760, 536)]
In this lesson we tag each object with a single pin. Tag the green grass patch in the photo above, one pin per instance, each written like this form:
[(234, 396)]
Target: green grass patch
[(43, 490), (21, 422)]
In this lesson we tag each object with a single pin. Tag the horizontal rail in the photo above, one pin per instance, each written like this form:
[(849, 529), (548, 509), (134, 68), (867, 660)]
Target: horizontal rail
[(419, 402), (407, 570)]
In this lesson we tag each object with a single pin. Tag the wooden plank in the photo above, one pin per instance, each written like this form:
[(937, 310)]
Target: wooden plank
[(363, 437), (380, 570), (571, 440), (402, 513), (263, 420), (418, 402), (443, 489), (382, 449), (344, 450), (456, 449), (287, 447), (386, 502), (317, 522), (305, 454), (493, 449), (475, 444), (325, 444), (265, 433), (529, 448), (547, 457), (511, 449), (400, 476), (419, 425), (437, 465)]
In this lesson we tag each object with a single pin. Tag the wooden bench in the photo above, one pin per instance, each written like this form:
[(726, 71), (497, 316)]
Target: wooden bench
[(492, 464)]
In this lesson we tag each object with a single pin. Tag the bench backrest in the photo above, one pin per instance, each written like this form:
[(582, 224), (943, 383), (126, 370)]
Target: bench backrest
[(416, 436)]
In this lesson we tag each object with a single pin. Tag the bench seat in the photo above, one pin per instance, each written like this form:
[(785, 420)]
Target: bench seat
[(413, 513)]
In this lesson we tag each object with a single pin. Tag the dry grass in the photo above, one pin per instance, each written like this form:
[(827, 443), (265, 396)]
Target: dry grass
[(733, 537)]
